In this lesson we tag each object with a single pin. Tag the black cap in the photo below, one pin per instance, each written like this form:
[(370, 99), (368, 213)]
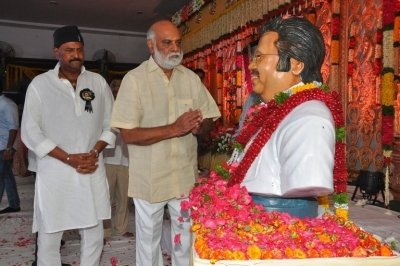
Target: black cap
[(67, 34)]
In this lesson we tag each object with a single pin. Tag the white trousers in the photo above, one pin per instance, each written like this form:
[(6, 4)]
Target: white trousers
[(91, 246), (149, 220)]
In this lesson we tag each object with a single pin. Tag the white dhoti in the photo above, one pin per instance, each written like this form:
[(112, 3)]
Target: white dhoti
[(149, 220)]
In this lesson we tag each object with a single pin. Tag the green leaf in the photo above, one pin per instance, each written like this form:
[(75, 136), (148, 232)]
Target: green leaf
[(222, 172), (281, 97), (206, 197), (237, 146), (324, 87), (387, 147), (341, 198), (387, 70), (340, 134), (388, 110)]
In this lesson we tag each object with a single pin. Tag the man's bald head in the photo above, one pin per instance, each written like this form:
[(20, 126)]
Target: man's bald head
[(159, 27), (164, 43)]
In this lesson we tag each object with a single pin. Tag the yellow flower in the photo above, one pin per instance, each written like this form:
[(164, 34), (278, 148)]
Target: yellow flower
[(195, 227), (323, 201), (239, 78), (342, 213), (304, 87), (254, 252), (238, 255), (388, 89), (299, 254)]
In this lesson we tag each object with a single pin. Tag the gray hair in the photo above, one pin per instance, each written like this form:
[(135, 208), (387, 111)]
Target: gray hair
[(151, 35)]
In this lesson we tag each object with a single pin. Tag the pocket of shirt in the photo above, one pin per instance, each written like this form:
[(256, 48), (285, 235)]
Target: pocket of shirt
[(184, 105)]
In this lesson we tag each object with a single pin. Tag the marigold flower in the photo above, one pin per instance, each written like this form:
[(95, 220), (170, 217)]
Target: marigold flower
[(254, 253), (266, 255), (312, 253), (238, 255), (386, 250), (326, 253), (359, 252)]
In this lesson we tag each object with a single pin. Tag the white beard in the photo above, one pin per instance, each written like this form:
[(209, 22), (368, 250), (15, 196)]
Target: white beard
[(167, 62)]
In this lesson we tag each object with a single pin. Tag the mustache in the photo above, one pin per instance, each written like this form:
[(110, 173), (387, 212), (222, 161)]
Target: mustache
[(75, 59), (173, 54), (255, 72)]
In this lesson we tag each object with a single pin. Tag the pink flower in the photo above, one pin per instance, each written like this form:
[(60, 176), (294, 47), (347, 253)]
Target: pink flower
[(177, 239), (185, 205), (180, 219), (210, 224), (247, 199)]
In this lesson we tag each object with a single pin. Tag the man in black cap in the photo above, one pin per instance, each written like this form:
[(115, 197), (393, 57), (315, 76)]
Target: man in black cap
[(66, 123)]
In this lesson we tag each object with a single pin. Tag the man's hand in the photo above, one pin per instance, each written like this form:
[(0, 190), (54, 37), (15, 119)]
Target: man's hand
[(84, 163), (8, 154), (187, 122)]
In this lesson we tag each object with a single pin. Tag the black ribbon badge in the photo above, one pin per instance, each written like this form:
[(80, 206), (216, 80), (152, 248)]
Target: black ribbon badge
[(88, 96)]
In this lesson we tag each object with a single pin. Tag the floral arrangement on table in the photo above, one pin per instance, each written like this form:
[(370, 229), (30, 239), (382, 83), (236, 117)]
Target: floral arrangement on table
[(230, 226), (218, 141)]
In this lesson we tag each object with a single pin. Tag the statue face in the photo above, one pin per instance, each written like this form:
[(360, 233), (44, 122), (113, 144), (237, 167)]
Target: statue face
[(267, 81)]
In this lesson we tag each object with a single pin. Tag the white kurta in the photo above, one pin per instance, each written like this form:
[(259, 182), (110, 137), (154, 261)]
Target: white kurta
[(54, 115), (297, 161)]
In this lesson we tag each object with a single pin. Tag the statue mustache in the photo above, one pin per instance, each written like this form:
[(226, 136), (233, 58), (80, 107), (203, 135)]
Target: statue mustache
[(75, 59)]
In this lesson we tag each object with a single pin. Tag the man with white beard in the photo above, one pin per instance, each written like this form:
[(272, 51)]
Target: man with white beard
[(160, 109)]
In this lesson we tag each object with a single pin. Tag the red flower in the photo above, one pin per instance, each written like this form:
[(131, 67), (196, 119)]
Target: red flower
[(378, 66), (335, 26), (185, 13), (379, 36), (350, 68), (387, 160), (387, 130), (388, 14), (352, 42)]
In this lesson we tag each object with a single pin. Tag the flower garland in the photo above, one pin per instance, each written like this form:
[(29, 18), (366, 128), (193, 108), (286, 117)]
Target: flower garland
[(335, 45), (350, 64), (388, 89), (272, 115)]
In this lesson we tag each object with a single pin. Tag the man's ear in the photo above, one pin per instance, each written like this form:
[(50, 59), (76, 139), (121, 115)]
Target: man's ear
[(55, 51), (150, 45), (296, 66)]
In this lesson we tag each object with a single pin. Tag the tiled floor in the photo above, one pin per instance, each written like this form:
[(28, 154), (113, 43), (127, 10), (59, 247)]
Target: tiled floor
[(17, 243)]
